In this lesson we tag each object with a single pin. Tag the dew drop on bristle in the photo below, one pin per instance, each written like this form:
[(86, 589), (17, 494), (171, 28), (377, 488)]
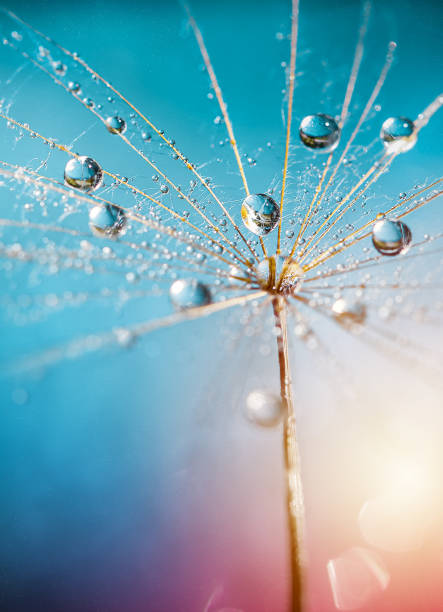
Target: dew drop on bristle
[(189, 293), (320, 132), (264, 408), (237, 275), (83, 173), (260, 213), (115, 125), (106, 220), (391, 237), (398, 134), (74, 87), (349, 312)]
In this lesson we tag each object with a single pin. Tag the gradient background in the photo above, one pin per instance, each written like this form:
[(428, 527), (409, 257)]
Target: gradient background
[(130, 480)]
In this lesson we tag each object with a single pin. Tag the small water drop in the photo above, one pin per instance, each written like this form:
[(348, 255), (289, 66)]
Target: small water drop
[(260, 213), (74, 87), (59, 68), (264, 408), (189, 293), (398, 134), (320, 132), (391, 237), (349, 312), (83, 173), (115, 125)]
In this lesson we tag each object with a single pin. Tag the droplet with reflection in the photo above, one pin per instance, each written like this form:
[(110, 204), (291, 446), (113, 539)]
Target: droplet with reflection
[(115, 125), (189, 293), (398, 134), (83, 173), (391, 237), (106, 220), (320, 132), (260, 213)]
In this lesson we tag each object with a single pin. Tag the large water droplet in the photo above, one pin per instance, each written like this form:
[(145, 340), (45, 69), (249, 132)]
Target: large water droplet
[(278, 272), (260, 213), (264, 408), (357, 576), (189, 293), (398, 134), (106, 220), (83, 173), (391, 237), (115, 125), (320, 132)]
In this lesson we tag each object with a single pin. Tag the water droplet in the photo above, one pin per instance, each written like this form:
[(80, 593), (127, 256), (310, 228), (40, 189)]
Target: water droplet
[(83, 173), (398, 134), (276, 272), (74, 87), (357, 576), (260, 213), (391, 237), (115, 125), (264, 408), (189, 293), (349, 312), (106, 220), (164, 188), (319, 131), (237, 275), (59, 68)]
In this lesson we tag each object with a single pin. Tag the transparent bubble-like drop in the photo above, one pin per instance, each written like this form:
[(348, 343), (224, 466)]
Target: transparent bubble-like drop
[(237, 275), (106, 220), (391, 237), (264, 408), (115, 125), (320, 132), (349, 312), (277, 272), (398, 134), (83, 173), (357, 577), (189, 293), (260, 213)]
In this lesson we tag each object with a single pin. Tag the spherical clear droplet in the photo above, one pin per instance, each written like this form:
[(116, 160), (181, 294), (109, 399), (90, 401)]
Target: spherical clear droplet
[(264, 408), (189, 293), (260, 213), (115, 125), (83, 173), (106, 220), (391, 237), (319, 132), (398, 134)]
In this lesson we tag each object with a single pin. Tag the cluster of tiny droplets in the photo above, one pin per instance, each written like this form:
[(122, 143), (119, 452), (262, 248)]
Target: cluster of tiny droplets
[(172, 237)]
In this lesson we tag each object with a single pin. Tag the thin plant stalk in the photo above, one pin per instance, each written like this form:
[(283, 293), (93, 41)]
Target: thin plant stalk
[(294, 489)]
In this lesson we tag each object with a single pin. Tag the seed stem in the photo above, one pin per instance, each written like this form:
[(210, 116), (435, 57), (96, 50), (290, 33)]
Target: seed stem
[(294, 490)]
